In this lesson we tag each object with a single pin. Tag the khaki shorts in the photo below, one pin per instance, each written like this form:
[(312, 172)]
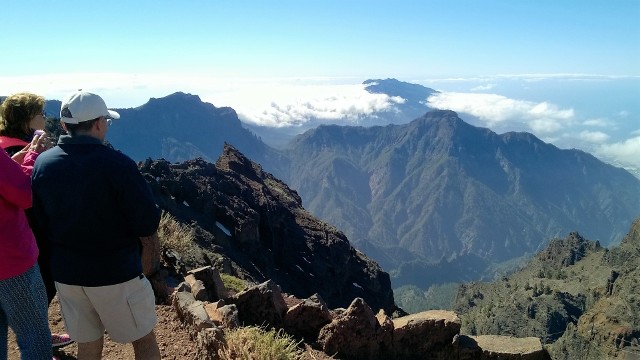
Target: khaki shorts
[(127, 310)]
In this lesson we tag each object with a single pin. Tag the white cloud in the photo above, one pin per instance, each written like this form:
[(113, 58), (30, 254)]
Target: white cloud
[(288, 105), (599, 122), (294, 101), (494, 109), (528, 78), (272, 102), (483, 87), (119, 90), (544, 125), (597, 137), (627, 152)]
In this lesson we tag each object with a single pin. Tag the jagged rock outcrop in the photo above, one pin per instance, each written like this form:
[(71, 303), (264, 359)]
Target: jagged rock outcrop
[(610, 327), (223, 315), (304, 320), (192, 311), (531, 302), (257, 223), (203, 283), (356, 334), (566, 252), (261, 305)]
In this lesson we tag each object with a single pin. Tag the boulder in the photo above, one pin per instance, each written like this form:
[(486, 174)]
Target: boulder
[(191, 311), (208, 342), (212, 281), (356, 334), (465, 348), (261, 305), (222, 315), (183, 286), (428, 332), (199, 291), (305, 319), (507, 348), (386, 336)]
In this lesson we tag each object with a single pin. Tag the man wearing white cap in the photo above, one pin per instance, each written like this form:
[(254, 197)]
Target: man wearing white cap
[(95, 210)]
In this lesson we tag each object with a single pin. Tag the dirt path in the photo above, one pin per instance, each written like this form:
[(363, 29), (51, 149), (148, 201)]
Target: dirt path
[(173, 338)]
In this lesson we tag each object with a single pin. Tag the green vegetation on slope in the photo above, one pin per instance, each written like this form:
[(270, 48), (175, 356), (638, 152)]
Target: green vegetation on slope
[(580, 299), (412, 299)]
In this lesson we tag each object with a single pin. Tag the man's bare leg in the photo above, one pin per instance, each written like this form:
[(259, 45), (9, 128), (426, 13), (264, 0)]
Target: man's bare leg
[(146, 348), (91, 350)]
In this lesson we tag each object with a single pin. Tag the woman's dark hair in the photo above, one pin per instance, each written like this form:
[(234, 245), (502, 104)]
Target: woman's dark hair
[(17, 111)]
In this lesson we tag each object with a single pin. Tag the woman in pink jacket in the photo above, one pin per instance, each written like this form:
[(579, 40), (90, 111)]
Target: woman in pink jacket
[(23, 300)]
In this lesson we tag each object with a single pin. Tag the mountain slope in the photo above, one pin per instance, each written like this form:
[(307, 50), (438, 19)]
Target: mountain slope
[(254, 225), (181, 127), (440, 190), (577, 296)]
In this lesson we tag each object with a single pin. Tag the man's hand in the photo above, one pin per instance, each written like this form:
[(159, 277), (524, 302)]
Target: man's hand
[(150, 254), (151, 267)]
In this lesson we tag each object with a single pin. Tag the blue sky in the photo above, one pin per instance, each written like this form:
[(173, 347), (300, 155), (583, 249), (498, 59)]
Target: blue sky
[(329, 38), (569, 70)]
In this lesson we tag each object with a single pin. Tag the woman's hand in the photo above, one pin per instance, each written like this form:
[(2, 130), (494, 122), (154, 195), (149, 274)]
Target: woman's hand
[(38, 144)]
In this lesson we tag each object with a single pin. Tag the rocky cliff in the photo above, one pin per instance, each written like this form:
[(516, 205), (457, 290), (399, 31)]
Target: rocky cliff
[(253, 225)]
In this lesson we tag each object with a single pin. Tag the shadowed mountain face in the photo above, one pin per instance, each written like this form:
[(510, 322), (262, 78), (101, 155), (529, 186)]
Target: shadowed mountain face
[(255, 221), (440, 190), (180, 127)]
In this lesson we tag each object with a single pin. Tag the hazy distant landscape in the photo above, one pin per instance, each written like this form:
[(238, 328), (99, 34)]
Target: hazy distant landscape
[(480, 156), (429, 196)]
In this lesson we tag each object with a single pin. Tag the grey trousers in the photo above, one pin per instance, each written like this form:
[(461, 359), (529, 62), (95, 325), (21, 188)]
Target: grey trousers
[(24, 308)]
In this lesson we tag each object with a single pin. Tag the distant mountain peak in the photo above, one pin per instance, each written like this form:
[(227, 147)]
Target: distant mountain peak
[(439, 187), (440, 115), (413, 93), (181, 95), (177, 99), (181, 126)]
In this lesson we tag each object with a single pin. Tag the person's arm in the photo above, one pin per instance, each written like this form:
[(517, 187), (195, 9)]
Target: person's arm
[(150, 254), (19, 156), (142, 213), (27, 156), (28, 162)]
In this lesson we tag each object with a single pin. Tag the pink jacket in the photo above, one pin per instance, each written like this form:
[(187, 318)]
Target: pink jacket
[(18, 249)]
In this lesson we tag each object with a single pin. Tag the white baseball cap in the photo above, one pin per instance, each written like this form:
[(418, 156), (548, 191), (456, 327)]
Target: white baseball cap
[(84, 106)]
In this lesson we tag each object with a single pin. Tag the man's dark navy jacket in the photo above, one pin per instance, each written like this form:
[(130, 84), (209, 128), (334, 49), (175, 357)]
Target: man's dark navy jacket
[(91, 205)]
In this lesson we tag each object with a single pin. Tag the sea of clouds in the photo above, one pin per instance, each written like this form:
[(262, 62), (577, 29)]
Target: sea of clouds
[(597, 114)]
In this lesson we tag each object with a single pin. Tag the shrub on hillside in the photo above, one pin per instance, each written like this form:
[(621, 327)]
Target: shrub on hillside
[(174, 235), (254, 343), (232, 283)]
